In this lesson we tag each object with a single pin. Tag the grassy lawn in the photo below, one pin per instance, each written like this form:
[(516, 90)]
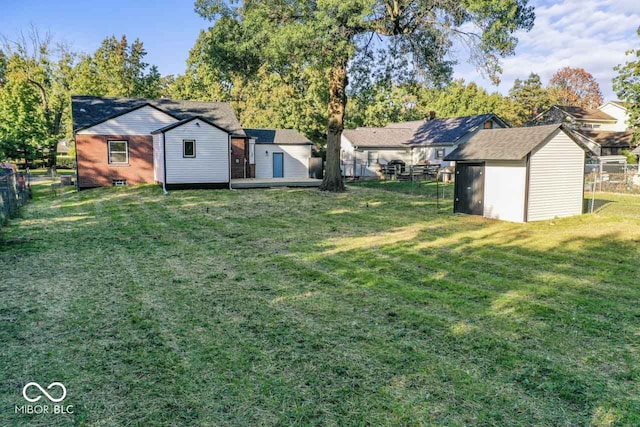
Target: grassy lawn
[(294, 307)]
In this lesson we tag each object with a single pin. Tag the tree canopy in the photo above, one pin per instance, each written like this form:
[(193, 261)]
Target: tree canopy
[(331, 34), (627, 86), (576, 87)]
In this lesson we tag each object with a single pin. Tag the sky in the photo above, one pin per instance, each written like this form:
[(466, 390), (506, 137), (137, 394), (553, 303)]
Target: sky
[(592, 34)]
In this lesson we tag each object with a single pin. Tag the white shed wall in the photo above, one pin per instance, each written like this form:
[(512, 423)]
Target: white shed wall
[(556, 179), (504, 190), (211, 164), (142, 121), (295, 160), (158, 158)]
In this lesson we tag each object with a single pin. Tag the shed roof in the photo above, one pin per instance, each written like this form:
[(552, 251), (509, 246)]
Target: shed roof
[(91, 110), (504, 144), (278, 136), (636, 150)]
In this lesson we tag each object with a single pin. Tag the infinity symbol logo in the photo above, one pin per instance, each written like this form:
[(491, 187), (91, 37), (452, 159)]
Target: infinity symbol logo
[(43, 391)]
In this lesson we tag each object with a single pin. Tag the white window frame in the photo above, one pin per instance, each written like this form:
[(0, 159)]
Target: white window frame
[(184, 146), (437, 155), (110, 152)]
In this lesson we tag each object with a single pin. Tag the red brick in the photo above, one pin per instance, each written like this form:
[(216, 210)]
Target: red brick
[(94, 169)]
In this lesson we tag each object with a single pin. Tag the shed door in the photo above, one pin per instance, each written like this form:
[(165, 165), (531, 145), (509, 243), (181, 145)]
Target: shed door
[(469, 188), (278, 165)]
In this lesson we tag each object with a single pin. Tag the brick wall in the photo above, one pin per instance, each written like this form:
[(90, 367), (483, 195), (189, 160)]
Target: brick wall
[(94, 169), (240, 159)]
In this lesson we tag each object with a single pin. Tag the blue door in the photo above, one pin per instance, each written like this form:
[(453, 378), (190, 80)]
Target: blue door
[(278, 165)]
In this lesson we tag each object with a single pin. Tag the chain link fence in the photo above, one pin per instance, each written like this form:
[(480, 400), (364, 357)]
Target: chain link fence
[(15, 191)]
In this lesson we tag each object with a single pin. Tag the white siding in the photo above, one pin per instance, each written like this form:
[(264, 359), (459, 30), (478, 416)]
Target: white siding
[(556, 179), (295, 159), (619, 113), (158, 158), (504, 190), (142, 121), (429, 153), (211, 163)]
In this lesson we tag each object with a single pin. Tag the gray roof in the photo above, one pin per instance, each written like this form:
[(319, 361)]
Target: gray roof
[(447, 131), (504, 144), (91, 110), (379, 137), (636, 150), (278, 136)]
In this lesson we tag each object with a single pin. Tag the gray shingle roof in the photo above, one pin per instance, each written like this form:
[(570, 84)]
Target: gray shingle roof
[(448, 131), (91, 110), (503, 144), (609, 138), (278, 136), (637, 150), (379, 137), (418, 133)]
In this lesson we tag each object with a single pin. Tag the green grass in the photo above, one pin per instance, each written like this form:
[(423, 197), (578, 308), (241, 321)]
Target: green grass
[(44, 172), (294, 307)]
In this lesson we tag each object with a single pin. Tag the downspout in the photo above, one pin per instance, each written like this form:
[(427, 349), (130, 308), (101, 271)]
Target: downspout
[(164, 164), (229, 155)]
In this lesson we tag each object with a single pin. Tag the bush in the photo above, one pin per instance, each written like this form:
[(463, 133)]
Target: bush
[(65, 162)]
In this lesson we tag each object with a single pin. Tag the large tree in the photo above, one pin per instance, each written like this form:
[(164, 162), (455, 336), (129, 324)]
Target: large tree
[(330, 34), (117, 68), (575, 87), (35, 65), (627, 86)]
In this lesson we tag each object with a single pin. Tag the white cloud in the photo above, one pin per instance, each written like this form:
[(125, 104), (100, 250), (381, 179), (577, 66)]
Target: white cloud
[(589, 34)]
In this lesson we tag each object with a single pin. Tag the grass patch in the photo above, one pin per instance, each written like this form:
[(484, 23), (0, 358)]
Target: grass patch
[(277, 307)]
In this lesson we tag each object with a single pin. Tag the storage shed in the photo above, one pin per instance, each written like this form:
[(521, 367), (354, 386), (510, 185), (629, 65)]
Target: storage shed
[(520, 174)]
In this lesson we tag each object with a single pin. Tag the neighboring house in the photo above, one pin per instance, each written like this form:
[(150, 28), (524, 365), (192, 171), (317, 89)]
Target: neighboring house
[(365, 150), (63, 147), (604, 130), (520, 174), (125, 141), (280, 153)]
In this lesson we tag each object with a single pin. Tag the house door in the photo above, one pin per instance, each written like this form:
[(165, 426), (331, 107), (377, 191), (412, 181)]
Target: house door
[(278, 165), (469, 188)]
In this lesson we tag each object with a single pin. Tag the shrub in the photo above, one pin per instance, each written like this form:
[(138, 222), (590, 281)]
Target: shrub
[(65, 162)]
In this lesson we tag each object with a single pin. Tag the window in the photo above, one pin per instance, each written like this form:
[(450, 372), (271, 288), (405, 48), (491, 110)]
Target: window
[(488, 124), (440, 153), (118, 182), (118, 152), (372, 157), (188, 148)]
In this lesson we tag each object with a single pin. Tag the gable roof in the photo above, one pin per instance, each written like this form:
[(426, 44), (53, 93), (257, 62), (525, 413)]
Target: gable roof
[(580, 113), (621, 104), (185, 121), (89, 111), (505, 143), (278, 136), (446, 131), (636, 150), (609, 138)]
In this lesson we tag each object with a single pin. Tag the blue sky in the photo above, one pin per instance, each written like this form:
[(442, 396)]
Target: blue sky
[(593, 34)]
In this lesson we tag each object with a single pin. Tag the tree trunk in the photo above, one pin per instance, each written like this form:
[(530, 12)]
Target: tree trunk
[(337, 104)]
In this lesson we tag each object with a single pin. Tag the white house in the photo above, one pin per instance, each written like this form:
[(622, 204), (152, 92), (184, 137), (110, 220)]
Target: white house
[(365, 150), (190, 153), (130, 141), (617, 110), (520, 174), (280, 153)]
